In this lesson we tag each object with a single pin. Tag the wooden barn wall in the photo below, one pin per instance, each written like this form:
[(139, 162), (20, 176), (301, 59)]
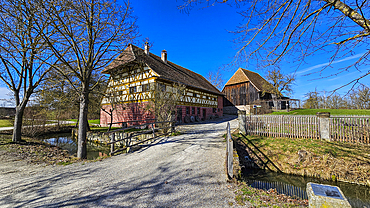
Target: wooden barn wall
[(241, 94)]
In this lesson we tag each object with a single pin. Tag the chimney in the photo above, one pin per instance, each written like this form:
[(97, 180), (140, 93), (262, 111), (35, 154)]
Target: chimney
[(164, 56), (146, 49)]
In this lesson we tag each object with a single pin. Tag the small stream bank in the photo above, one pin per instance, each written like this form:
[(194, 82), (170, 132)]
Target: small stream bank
[(357, 195), (252, 172)]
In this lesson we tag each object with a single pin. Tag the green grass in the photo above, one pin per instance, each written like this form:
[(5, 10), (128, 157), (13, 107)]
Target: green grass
[(319, 147), (6, 122), (331, 111), (95, 121)]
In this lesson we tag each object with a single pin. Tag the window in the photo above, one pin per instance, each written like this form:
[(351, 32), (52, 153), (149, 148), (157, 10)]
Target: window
[(145, 88), (132, 90), (193, 110), (187, 110), (214, 110), (198, 111), (161, 87), (195, 94)]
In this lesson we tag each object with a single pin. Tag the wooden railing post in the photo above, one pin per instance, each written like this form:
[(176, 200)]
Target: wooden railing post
[(229, 152), (172, 127), (112, 145), (128, 142), (241, 119), (153, 130)]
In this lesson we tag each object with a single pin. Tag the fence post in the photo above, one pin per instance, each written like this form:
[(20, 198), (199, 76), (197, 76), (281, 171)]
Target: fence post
[(229, 152), (153, 130), (241, 119), (172, 127), (128, 142), (324, 125), (112, 145)]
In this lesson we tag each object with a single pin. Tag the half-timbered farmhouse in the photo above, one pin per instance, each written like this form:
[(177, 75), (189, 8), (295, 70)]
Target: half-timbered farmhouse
[(246, 88), (131, 75)]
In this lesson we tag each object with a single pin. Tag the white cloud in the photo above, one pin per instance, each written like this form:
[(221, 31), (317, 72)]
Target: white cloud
[(4, 96), (325, 64), (344, 75)]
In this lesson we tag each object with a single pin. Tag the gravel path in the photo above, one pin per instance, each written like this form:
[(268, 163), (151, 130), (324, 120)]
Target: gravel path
[(181, 171)]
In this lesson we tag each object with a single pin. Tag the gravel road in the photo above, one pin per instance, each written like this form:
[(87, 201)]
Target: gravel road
[(180, 171)]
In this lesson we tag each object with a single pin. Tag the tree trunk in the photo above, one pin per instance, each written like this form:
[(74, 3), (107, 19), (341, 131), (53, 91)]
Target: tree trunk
[(17, 131), (82, 126), (87, 124), (111, 120)]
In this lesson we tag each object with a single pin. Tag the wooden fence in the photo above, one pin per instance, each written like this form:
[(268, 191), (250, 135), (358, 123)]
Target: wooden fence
[(283, 126), (280, 187), (354, 129)]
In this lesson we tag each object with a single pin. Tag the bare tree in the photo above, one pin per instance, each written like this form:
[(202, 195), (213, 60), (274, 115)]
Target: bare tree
[(298, 29), (334, 101), (280, 83), (216, 79), (165, 100), (111, 98), (23, 53), (312, 100), (57, 97), (90, 33), (360, 97)]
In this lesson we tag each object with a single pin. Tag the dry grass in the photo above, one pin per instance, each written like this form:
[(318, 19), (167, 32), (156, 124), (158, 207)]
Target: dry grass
[(327, 160), (246, 195), (34, 151)]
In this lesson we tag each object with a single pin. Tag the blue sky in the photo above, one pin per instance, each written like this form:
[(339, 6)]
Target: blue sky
[(202, 42)]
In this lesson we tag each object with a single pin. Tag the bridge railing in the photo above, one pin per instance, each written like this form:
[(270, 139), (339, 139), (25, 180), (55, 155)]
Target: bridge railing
[(156, 129)]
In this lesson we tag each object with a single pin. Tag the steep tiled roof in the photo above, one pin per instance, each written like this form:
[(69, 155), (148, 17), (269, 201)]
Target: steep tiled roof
[(243, 75), (167, 71)]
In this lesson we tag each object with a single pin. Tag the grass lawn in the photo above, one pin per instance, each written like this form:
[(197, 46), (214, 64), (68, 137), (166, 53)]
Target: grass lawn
[(6, 122), (332, 112), (95, 121), (327, 160)]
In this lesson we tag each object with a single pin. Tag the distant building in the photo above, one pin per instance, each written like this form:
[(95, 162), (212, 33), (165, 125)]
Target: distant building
[(135, 69), (246, 88)]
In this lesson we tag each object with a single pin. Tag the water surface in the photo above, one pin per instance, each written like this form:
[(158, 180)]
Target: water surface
[(66, 142)]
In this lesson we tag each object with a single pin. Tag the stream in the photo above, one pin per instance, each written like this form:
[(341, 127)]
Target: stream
[(358, 195), (66, 142)]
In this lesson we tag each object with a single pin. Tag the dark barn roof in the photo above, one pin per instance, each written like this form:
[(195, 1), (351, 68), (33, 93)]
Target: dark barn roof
[(166, 71), (243, 75)]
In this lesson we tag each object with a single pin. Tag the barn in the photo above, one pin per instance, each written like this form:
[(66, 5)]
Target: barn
[(247, 89), (135, 70)]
